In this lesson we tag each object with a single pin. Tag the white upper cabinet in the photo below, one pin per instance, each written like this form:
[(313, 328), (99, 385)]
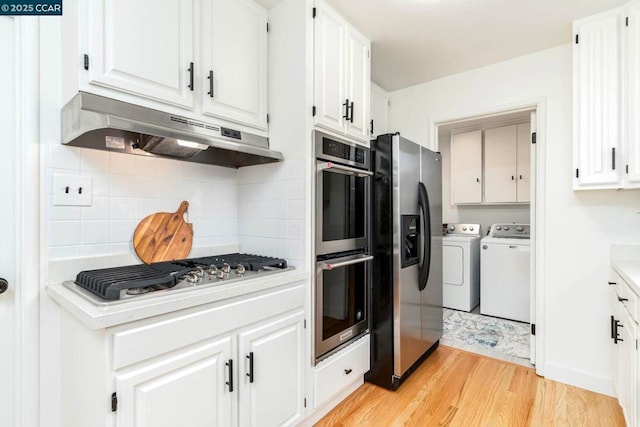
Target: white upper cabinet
[(500, 164), (632, 154), (596, 73), (233, 73), (379, 122), (523, 163), (466, 167), (342, 75), (151, 58)]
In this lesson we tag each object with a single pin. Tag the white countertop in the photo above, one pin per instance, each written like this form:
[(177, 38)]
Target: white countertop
[(625, 260), (100, 317)]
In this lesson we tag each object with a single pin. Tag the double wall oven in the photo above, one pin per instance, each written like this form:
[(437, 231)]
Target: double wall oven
[(343, 263)]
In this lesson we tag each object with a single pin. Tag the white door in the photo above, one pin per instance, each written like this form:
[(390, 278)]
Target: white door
[(379, 111), (523, 163), (534, 233), (187, 389), (596, 102), (500, 164), (633, 97), (143, 47), (466, 167), (358, 85), (8, 271), (271, 374), (233, 77), (330, 97)]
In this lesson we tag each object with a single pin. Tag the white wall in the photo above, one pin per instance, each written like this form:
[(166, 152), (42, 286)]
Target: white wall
[(580, 226)]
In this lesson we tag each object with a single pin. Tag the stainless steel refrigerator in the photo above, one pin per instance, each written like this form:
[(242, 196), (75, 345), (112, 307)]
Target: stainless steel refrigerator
[(406, 288)]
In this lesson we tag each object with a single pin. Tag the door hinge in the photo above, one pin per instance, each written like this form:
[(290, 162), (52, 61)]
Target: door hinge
[(304, 323), (267, 118), (267, 27), (114, 402), (533, 329), (313, 111), (305, 402), (314, 13), (577, 173), (577, 38), (626, 21), (534, 135), (86, 61), (626, 168), (636, 344)]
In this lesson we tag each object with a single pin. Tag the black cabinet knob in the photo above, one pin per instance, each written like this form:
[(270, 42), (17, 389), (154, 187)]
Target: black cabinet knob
[(4, 285), (348, 371)]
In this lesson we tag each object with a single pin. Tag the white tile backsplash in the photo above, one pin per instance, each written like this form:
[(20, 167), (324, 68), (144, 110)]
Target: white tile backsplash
[(127, 188)]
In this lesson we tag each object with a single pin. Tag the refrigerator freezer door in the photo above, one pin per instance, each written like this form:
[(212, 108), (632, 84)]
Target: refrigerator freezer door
[(431, 296), (407, 310)]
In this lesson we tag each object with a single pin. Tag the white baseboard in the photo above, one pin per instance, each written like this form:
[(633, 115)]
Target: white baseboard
[(574, 377), (323, 410)]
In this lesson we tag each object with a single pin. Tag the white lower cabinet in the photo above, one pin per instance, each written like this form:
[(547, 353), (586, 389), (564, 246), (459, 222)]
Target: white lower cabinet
[(238, 362), (624, 334)]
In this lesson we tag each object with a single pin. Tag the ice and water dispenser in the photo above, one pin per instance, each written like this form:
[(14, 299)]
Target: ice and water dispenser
[(410, 239)]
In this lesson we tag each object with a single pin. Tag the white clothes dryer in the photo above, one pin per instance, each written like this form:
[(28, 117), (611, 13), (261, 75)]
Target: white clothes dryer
[(461, 266), (504, 272)]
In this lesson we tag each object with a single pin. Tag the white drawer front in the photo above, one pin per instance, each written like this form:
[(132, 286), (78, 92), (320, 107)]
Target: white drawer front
[(627, 296), (338, 371), (178, 330)]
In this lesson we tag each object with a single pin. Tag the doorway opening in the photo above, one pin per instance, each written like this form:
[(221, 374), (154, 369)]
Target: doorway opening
[(489, 187)]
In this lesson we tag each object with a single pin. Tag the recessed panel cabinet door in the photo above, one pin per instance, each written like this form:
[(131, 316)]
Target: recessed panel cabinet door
[(233, 78), (500, 164), (596, 102), (187, 389), (466, 167), (329, 86), (523, 163), (143, 47), (359, 86), (271, 374), (633, 97)]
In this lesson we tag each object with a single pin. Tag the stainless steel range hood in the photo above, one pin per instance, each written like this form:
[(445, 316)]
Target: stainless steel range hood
[(97, 122)]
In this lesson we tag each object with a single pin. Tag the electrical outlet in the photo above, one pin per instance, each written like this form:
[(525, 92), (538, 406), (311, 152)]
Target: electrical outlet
[(70, 190)]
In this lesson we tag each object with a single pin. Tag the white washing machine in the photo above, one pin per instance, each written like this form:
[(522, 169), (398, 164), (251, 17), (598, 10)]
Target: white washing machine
[(461, 266), (504, 272)]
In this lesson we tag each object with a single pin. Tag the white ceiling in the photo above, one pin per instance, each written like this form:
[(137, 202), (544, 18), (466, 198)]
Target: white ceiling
[(414, 41)]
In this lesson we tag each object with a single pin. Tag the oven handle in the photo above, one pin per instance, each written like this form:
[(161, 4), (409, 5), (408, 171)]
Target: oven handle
[(347, 170), (332, 265)]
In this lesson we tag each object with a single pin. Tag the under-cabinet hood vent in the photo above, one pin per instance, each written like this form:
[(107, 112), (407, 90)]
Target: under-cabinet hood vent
[(93, 121)]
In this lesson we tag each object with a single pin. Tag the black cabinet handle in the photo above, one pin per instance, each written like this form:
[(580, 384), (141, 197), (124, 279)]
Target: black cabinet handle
[(4, 285), (250, 373), (348, 371), (229, 364), (513, 177), (613, 158), (623, 299), (612, 283), (371, 126), (520, 176), (477, 179), (351, 119), (346, 110), (210, 77), (190, 86), (616, 337)]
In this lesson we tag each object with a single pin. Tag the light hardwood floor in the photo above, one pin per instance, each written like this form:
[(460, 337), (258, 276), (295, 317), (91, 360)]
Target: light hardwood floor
[(457, 388)]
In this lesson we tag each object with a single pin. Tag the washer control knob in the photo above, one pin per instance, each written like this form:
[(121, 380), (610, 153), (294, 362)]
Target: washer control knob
[(452, 227), (498, 228), (505, 228), (471, 228), (485, 247), (464, 228), (519, 228)]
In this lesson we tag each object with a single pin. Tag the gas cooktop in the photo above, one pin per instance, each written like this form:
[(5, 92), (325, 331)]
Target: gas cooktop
[(112, 285)]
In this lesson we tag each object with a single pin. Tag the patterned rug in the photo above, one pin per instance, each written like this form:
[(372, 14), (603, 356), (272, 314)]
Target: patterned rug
[(507, 337)]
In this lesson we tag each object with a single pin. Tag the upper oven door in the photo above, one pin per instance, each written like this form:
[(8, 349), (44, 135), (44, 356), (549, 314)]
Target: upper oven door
[(342, 207)]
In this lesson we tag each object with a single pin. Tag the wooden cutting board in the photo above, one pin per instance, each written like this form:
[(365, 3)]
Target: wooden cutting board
[(164, 236)]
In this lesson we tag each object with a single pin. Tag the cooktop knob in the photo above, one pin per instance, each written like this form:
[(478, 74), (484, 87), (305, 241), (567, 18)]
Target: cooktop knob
[(199, 271), (213, 270), (221, 274), (226, 268), (192, 277), (519, 228), (240, 269)]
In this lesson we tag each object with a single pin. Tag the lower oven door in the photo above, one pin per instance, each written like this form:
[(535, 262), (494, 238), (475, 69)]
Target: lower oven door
[(341, 301)]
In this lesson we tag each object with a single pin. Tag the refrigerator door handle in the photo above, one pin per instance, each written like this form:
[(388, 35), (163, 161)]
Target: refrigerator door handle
[(423, 272)]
